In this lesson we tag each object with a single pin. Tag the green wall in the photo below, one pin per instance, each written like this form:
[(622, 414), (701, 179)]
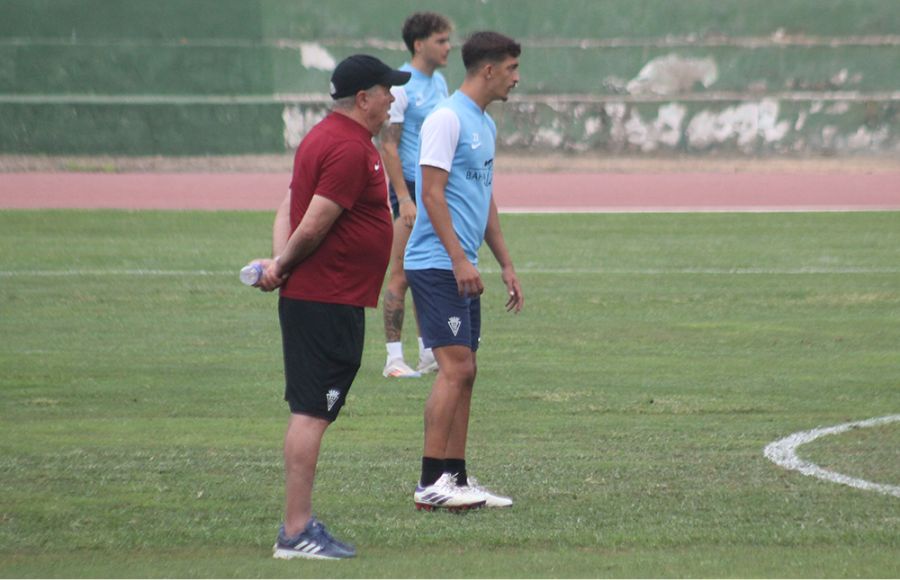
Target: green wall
[(220, 76)]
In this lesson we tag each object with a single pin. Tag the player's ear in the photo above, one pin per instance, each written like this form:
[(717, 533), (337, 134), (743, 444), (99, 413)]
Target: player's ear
[(362, 99)]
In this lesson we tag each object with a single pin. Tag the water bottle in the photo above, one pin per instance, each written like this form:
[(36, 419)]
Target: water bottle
[(251, 273)]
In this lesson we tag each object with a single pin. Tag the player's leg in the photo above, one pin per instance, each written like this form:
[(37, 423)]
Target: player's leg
[(394, 299), (323, 345), (459, 426), (301, 454), (452, 388), (444, 318), (447, 408), (455, 463)]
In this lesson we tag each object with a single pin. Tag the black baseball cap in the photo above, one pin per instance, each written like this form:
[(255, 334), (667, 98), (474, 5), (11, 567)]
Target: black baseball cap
[(361, 72)]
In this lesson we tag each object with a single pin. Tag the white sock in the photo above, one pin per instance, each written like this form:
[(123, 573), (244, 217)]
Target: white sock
[(424, 353), (395, 350)]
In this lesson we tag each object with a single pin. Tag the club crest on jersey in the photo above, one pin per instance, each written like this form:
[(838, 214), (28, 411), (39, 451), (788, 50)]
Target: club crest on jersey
[(454, 323), (332, 397)]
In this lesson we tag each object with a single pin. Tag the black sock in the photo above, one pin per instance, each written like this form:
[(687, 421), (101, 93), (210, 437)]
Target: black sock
[(457, 466), (432, 469)]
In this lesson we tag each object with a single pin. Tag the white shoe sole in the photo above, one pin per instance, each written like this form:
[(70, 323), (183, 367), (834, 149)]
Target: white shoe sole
[(415, 375), (282, 554), (428, 507)]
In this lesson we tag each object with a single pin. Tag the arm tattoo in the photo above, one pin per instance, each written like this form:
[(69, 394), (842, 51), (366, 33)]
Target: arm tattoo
[(391, 133)]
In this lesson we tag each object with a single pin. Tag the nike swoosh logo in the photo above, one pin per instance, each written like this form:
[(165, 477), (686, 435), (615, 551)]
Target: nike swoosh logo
[(475, 145), (377, 165)]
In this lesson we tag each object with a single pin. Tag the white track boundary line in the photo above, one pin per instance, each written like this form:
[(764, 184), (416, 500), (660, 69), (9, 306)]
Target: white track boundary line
[(526, 270), (96, 272), (783, 453)]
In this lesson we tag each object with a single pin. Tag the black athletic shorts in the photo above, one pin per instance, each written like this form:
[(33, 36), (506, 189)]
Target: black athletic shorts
[(323, 345)]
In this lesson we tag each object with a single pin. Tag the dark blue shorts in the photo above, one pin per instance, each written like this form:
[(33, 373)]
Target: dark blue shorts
[(445, 317), (395, 204)]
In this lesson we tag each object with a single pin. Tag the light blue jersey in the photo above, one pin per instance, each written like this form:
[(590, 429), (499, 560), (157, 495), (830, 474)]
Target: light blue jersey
[(412, 103), (459, 138)]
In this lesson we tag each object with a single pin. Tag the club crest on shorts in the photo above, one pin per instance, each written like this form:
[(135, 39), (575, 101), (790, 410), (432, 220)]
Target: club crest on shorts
[(332, 397), (454, 323)]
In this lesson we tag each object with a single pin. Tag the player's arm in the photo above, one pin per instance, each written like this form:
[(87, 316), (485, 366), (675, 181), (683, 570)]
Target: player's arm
[(434, 182), (318, 219), (493, 235), (393, 166), (281, 229), (390, 154), (438, 140)]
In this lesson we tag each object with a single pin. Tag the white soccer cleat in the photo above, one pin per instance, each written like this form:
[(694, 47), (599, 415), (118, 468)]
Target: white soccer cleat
[(427, 364), (400, 370), (445, 494), (491, 499)]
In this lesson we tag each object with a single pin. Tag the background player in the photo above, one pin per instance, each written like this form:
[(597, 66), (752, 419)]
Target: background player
[(427, 36)]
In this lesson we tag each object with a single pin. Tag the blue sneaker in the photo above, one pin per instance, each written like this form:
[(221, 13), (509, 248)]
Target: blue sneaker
[(313, 542)]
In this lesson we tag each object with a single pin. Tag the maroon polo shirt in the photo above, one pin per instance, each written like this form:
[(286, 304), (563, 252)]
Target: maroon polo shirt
[(337, 160)]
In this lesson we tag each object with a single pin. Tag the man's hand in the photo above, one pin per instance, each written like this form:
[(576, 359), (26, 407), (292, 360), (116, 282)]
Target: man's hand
[(272, 276), (407, 211), (514, 289), (468, 280)]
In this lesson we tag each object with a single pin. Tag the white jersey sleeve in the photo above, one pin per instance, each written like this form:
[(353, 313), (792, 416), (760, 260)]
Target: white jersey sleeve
[(398, 107), (439, 137)]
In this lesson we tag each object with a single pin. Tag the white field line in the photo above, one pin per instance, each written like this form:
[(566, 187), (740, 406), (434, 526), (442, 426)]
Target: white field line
[(556, 210), (783, 453), (489, 270), (111, 272)]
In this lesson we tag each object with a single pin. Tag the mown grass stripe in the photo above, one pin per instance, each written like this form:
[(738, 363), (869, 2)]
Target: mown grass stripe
[(553, 271)]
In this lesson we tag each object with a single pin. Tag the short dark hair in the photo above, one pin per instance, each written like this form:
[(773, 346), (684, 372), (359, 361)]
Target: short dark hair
[(488, 46), (421, 25)]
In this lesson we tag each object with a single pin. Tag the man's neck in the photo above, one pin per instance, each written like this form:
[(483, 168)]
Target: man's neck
[(473, 89), (354, 115), (422, 65)]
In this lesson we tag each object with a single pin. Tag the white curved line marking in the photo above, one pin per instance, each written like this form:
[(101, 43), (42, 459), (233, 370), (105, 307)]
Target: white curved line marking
[(782, 452)]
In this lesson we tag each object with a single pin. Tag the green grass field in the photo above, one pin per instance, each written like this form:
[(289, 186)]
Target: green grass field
[(626, 409)]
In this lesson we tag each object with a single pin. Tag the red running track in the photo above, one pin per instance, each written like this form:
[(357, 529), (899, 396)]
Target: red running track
[(523, 192)]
